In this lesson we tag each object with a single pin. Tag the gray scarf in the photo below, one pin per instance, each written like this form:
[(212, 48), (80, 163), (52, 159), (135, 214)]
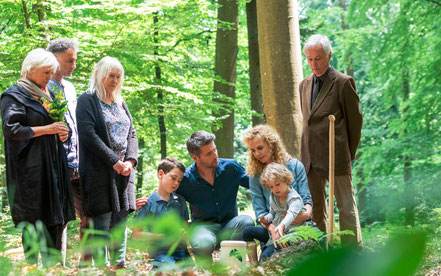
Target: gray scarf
[(33, 89)]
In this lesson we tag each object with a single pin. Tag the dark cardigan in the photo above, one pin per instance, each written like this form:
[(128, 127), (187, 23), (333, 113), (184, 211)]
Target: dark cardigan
[(103, 189)]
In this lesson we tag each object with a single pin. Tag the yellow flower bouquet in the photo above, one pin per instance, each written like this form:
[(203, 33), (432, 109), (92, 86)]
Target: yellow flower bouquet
[(57, 107)]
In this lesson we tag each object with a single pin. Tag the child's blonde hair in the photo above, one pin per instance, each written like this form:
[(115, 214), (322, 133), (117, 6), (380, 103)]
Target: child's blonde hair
[(275, 171)]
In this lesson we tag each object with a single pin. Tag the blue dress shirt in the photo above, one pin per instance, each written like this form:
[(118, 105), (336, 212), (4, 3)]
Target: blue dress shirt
[(215, 203), (156, 206)]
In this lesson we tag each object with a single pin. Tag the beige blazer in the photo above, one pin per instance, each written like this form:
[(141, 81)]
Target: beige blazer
[(338, 97)]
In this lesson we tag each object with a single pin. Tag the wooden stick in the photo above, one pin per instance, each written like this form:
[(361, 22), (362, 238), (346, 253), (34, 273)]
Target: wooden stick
[(331, 177)]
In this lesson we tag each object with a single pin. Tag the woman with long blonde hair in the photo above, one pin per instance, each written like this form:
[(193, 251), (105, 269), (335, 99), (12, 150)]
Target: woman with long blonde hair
[(264, 147)]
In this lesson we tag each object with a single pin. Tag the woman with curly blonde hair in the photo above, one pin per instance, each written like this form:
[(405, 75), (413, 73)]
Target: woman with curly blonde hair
[(264, 147)]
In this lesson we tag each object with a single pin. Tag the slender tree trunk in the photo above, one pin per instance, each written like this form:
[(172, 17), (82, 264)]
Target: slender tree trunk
[(281, 68), (26, 14), (345, 26), (3, 189), (225, 73), (409, 192), (41, 12), (140, 165), (161, 118), (254, 63), (5, 201)]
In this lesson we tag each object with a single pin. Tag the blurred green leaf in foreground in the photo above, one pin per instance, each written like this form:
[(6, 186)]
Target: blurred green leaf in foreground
[(401, 256)]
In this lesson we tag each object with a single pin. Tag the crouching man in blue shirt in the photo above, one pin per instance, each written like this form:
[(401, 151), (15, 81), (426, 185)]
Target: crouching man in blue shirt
[(210, 185)]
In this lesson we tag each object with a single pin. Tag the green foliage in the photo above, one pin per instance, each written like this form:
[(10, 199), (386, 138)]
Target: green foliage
[(402, 101), (437, 213), (37, 240), (401, 256), (310, 233), (5, 265)]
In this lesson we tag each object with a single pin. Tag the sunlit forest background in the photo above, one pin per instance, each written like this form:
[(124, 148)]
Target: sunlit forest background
[(167, 48)]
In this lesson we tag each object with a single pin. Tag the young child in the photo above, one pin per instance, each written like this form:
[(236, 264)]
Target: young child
[(160, 202), (285, 204)]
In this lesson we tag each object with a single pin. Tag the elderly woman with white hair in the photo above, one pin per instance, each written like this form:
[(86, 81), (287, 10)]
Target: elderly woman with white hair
[(108, 154), (36, 164)]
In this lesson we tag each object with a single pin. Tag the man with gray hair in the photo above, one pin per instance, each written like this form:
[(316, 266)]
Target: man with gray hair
[(328, 92), (65, 50)]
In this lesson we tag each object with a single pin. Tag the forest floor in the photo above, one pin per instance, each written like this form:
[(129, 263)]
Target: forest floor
[(374, 236)]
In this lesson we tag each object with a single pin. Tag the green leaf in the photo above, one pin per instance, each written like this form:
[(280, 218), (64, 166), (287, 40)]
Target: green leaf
[(400, 257)]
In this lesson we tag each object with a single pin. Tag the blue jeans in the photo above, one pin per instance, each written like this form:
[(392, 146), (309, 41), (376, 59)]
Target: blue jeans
[(206, 237), (105, 223), (251, 233)]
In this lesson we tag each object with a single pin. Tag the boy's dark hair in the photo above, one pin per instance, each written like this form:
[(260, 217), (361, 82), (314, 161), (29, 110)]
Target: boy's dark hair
[(197, 140), (169, 163)]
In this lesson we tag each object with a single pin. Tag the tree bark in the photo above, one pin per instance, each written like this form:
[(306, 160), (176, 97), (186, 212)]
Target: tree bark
[(140, 165), (41, 12), (434, 2), (254, 65), (26, 14), (161, 118), (409, 193), (225, 74), (3, 189), (281, 68), (345, 26)]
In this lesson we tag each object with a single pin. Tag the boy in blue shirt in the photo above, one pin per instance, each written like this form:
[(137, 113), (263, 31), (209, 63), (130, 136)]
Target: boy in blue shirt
[(162, 201)]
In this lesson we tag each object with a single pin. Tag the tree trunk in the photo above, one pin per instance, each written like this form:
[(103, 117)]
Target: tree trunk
[(3, 189), (161, 119), (409, 193), (344, 26), (140, 165), (26, 14), (41, 12), (281, 68), (225, 74), (254, 63)]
